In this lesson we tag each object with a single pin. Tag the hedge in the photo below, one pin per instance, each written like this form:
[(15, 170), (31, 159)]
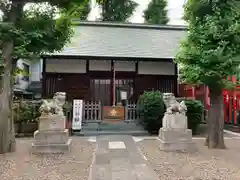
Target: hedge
[(151, 108), (194, 113)]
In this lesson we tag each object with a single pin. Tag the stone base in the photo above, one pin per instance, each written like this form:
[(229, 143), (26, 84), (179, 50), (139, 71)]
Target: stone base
[(51, 148), (176, 140), (51, 141)]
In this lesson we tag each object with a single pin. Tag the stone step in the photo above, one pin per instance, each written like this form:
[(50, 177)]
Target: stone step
[(108, 132)]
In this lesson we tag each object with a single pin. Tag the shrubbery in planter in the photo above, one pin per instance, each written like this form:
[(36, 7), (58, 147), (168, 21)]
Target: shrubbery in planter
[(151, 108), (25, 116), (194, 113)]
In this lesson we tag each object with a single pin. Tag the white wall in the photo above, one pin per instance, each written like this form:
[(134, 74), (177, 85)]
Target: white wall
[(125, 66), (156, 68), (65, 66), (79, 66), (99, 65)]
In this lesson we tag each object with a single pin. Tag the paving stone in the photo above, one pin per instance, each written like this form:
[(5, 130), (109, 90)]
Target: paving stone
[(143, 172), (123, 175), (119, 153), (120, 165), (102, 159), (118, 158), (116, 145), (101, 172)]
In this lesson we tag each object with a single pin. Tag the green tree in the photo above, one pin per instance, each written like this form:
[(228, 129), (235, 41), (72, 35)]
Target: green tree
[(156, 12), (27, 34), (80, 12), (117, 10), (210, 54)]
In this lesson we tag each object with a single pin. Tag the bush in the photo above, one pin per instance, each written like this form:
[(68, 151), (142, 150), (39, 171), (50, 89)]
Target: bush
[(151, 109), (25, 112), (194, 113)]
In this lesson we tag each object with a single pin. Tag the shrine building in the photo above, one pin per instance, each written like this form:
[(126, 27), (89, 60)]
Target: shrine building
[(104, 59)]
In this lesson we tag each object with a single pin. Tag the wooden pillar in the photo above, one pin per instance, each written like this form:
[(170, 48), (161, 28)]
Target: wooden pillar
[(44, 90), (113, 83), (176, 81)]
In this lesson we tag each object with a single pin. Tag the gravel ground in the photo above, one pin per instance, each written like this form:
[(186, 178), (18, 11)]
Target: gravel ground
[(22, 165), (202, 131), (204, 164)]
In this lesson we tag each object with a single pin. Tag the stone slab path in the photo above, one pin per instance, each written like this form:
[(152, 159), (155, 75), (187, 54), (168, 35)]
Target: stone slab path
[(118, 158)]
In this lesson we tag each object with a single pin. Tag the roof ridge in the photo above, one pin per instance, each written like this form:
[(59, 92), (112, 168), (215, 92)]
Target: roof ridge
[(77, 22)]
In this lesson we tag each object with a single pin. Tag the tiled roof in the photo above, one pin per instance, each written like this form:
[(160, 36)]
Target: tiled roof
[(124, 40)]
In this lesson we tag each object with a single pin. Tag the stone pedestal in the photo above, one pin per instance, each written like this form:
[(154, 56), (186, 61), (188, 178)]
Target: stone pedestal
[(174, 135), (51, 136)]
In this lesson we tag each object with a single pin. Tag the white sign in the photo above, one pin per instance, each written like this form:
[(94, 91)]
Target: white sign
[(123, 95), (77, 114)]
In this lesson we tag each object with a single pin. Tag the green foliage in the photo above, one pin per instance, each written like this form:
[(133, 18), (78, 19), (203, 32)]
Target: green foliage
[(194, 114), (117, 10), (25, 112), (38, 30), (156, 12), (151, 108), (211, 51), (78, 11)]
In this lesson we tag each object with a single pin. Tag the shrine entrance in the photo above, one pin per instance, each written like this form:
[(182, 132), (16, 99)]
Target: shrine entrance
[(99, 119)]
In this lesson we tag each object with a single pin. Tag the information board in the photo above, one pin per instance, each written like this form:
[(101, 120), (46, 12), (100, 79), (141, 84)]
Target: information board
[(77, 114)]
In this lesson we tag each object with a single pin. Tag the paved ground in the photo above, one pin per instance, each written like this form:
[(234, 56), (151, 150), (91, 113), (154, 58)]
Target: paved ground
[(21, 165), (118, 158)]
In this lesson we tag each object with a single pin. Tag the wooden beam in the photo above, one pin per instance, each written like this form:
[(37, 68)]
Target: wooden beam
[(109, 58)]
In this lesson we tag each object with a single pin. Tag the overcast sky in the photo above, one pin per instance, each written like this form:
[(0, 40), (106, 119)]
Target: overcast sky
[(175, 11)]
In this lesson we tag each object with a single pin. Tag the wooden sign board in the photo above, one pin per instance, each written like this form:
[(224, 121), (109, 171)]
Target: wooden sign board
[(113, 113), (77, 114)]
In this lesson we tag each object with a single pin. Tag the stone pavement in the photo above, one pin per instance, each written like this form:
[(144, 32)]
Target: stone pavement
[(118, 158)]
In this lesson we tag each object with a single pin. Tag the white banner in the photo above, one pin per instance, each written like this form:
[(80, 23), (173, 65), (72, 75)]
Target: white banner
[(77, 114)]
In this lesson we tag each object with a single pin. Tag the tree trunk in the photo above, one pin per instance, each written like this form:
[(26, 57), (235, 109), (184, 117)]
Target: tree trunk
[(7, 133), (215, 122)]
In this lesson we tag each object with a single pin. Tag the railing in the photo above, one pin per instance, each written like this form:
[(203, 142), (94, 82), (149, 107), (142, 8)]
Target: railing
[(131, 113), (92, 112)]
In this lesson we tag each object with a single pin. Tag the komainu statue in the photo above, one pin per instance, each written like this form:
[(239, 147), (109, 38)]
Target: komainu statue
[(175, 115), (174, 134), (54, 106), (173, 106)]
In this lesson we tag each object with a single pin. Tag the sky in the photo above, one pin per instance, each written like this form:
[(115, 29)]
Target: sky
[(175, 11)]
